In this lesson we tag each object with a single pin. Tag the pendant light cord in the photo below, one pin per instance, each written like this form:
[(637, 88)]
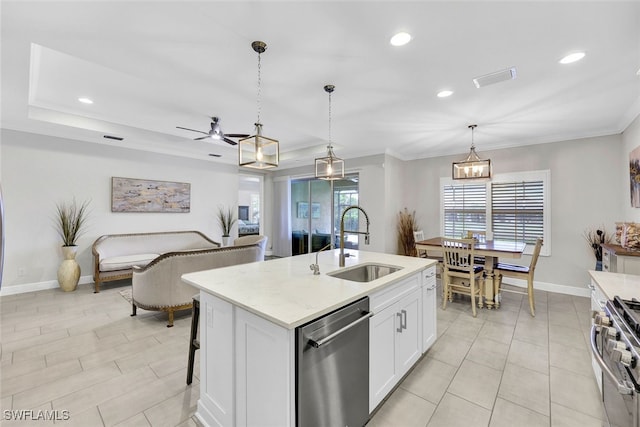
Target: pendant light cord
[(330, 120), (259, 85)]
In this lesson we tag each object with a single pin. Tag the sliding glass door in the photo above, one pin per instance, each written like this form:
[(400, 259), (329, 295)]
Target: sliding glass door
[(316, 207)]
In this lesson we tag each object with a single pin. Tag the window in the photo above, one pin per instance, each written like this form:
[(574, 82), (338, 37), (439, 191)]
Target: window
[(465, 208), (512, 206)]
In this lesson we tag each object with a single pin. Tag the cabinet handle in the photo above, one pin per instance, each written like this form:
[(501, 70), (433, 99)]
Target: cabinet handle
[(400, 327), (403, 324)]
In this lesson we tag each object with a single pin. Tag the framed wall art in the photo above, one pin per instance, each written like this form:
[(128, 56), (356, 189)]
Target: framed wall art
[(143, 195)]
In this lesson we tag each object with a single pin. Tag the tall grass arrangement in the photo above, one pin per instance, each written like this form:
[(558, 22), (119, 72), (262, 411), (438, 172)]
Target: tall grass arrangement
[(406, 226), (71, 220), (226, 219)]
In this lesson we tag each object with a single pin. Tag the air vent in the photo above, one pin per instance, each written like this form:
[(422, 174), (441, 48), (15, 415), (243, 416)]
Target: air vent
[(497, 77), (117, 138)]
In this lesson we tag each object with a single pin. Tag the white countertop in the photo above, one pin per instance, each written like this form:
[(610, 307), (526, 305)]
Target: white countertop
[(626, 286), (285, 291)]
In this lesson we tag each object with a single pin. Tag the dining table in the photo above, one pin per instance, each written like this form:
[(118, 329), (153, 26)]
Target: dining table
[(491, 250)]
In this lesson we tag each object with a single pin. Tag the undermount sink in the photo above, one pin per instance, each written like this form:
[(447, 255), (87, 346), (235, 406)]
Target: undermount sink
[(364, 272)]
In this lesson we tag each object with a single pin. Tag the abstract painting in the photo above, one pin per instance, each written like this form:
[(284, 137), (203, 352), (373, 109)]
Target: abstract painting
[(143, 195)]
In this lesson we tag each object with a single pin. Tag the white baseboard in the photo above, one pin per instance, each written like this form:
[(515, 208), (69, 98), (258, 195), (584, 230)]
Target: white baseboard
[(38, 286), (550, 287)]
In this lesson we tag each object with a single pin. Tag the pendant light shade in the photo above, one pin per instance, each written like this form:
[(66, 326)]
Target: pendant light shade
[(258, 151), (473, 167), (329, 167)]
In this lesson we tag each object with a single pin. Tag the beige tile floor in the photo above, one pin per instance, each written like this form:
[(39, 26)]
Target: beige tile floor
[(82, 353)]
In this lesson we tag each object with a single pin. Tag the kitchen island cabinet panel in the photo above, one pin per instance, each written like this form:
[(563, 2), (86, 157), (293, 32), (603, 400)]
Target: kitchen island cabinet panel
[(395, 338), (429, 311), (215, 406), (265, 371)]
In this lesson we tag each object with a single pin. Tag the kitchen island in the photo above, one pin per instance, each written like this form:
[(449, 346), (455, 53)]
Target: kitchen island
[(250, 312)]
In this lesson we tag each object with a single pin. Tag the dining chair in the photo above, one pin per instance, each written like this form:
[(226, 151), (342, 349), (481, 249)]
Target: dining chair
[(460, 274), (521, 272), (479, 236), (418, 236)]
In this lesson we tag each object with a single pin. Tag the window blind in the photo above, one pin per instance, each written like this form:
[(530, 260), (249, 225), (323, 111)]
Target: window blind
[(517, 210), (465, 208)]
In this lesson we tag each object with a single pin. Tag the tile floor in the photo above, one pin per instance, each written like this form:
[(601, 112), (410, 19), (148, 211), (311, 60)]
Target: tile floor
[(83, 353)]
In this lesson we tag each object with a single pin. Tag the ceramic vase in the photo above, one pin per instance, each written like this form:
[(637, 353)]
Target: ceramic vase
[(69, 271), (225, 240)]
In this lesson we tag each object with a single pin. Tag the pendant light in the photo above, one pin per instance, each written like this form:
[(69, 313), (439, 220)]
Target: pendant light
[(472, 167), (258, 151), (329, 167)]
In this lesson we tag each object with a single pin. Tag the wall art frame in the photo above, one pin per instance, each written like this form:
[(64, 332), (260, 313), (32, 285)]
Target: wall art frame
[(145, 195)]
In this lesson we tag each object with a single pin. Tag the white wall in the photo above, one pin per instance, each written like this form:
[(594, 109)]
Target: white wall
[(39, 171), (631, 140), (585, 192)]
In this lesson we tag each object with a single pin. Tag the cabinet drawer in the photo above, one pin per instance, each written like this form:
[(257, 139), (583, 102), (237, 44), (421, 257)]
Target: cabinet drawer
[(384, 298)]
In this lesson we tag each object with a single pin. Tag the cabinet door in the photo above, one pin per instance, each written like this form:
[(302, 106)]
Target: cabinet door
[(429, 313), (265, 372), (217, 362), (409, 335), (382, 354)]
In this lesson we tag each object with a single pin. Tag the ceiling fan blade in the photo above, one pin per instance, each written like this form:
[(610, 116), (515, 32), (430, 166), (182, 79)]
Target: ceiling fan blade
[(236, 135), (201, 138), (192, 130), (229, 141)]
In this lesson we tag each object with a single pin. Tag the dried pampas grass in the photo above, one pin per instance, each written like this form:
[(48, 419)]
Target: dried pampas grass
[(406, 226)]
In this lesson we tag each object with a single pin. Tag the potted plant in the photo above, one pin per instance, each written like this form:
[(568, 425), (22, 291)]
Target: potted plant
[(596, 238), (71, 220), (226, 219), (406, 226)]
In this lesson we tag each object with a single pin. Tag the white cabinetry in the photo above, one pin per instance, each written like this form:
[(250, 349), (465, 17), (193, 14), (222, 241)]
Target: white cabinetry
[(429, 313), (216, 404), (616, 259), (247, 368), (395, 336)]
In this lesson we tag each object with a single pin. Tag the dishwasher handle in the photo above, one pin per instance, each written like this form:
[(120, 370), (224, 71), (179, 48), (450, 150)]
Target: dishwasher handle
[(323, 341)]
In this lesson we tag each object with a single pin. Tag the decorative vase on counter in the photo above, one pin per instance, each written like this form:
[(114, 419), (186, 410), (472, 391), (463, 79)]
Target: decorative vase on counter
[(225, 240), (69, 271), (598, 265)]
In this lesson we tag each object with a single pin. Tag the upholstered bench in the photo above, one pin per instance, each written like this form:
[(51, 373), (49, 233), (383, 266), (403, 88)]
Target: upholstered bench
[(115, 255)]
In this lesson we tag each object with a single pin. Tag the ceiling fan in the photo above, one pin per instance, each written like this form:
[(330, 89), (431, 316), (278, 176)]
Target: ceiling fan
[(216, 133)]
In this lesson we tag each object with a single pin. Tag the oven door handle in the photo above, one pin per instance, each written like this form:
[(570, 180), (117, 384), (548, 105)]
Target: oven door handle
[(622, 387)]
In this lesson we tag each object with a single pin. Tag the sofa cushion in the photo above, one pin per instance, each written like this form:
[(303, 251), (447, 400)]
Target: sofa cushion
[(125, 262)]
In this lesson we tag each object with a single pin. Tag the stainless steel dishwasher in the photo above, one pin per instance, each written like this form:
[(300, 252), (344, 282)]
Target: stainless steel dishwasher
[(332, 368)]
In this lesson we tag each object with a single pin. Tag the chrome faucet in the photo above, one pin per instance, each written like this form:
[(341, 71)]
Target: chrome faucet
[(342, 231), (315, 267)]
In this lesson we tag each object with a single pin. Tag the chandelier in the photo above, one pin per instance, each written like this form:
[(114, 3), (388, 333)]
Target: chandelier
[(258, 151), (473, 167), (329, 167)]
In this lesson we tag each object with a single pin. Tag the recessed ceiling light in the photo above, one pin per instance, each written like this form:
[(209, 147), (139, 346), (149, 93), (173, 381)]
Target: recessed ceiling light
[(573, 57), (400, 39), (445, 93), (85, 100)]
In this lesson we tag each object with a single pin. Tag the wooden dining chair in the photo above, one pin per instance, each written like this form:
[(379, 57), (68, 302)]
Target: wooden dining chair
[(521, 272), (418, 236), (460, 274), (479, 236)]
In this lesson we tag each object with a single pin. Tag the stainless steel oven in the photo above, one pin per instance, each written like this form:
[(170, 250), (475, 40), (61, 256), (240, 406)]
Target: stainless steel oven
[(615, 346)]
